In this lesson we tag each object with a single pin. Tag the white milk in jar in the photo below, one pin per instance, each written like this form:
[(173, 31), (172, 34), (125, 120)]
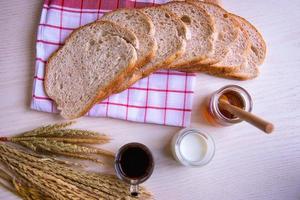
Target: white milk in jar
[(191, 147)]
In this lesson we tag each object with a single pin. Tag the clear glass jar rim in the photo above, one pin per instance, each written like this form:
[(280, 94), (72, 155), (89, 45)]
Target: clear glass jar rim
[(181, 134), (242, 93)]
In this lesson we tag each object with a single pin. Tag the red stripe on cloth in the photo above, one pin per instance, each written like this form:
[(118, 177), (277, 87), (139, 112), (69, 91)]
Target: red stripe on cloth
[(38, 78), (42, 98), (175, 73), (107, 107), (57, 27), (128, 93), (147, 94), (99, 7), (60, 22), (73, 11), (90, 4), (166, 98), (48, 42), (162, 90), (80, 17), (40, 59), (146, 107), (184, 101), (57, 2)]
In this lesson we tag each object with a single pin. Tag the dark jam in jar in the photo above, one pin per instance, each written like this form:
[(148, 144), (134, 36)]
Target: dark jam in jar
[(234, 99)]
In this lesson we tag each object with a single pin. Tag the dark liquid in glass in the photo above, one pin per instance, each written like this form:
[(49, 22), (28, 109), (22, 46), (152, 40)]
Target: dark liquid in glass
[(135, 162)]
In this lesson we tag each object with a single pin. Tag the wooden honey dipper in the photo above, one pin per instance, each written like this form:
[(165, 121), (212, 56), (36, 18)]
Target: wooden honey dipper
[(256, 121)]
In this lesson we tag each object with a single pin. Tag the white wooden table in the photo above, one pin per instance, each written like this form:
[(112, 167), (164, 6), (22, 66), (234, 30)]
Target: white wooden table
[(248, 164)]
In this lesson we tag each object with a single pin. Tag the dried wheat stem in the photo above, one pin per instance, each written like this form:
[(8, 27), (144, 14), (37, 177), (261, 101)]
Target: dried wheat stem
[(45, 129), (73, 175), (52, 185), (4, 175), (85, 157), (91, 140), (70, 148), (33, 167), (72, 185), (28, 191), (67, 133), (49, 172), (65, 172)]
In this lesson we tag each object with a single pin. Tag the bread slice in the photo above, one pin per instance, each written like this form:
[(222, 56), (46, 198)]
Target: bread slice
[(234, 59), (226, 31), (255, 57), (141, 25), (258, 44), (201, 26), (248, 70), (94, 59), (170, 35)]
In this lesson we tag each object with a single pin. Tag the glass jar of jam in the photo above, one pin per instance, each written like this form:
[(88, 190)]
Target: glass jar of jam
[(233, 94)]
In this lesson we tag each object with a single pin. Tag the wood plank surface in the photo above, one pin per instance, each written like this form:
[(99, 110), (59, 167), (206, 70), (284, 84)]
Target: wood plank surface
[(248, 164)]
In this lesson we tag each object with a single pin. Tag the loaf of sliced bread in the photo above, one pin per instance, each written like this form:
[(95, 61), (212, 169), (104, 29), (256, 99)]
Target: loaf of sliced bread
[(94, 59), (202, 30), (170, 35), (142, 26)]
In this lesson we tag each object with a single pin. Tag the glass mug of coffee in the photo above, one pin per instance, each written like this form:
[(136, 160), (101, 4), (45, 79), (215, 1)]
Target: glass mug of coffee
[(134, 164)]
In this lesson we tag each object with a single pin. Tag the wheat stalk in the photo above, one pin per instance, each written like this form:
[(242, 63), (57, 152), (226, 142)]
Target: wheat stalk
[(45, 181), (55, 139), (90, 140), (73, 174), (46, 129), (58, 181)]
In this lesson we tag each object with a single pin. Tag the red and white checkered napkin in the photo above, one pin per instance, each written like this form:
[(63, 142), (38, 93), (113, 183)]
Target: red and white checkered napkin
[(162, 98)]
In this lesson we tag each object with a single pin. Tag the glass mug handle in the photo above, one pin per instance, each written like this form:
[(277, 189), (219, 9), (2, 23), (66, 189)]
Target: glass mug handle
[(134, 190), (134, 183)]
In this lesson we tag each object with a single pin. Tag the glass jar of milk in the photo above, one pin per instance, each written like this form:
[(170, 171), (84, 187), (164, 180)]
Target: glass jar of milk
[(191, 147)]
